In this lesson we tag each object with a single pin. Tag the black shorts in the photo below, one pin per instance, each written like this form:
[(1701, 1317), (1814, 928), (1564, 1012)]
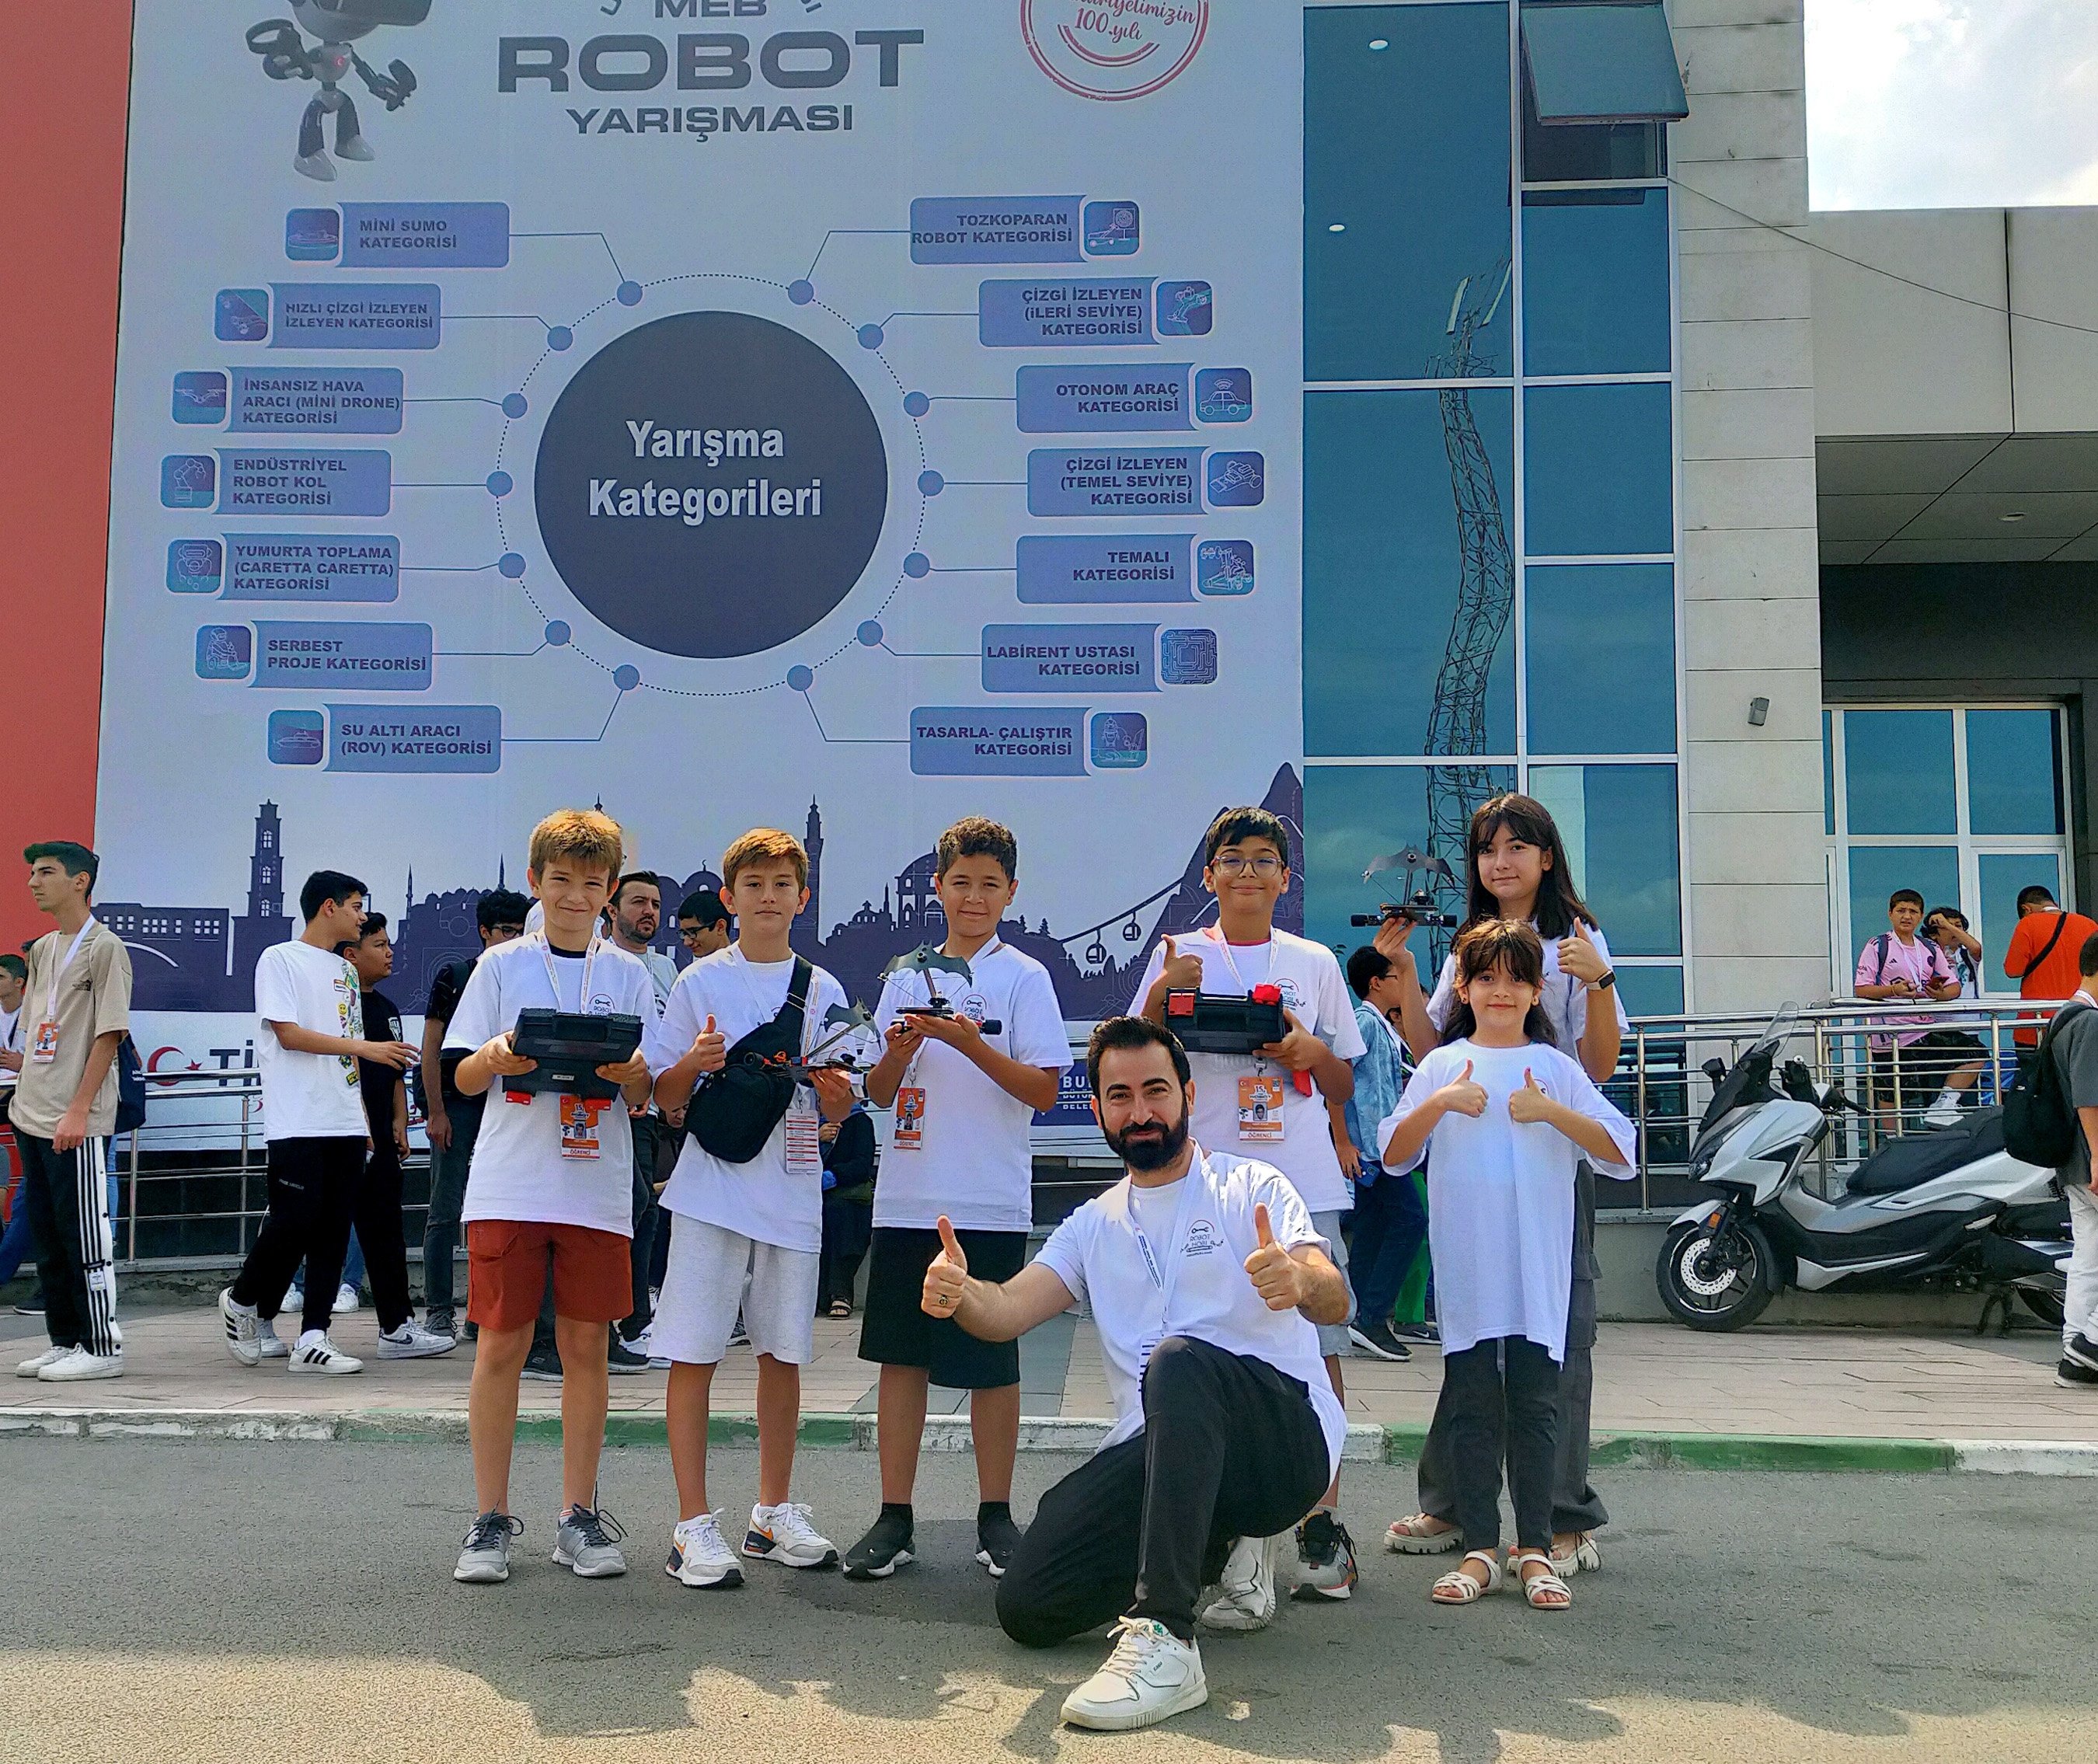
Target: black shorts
[(895, 1329)]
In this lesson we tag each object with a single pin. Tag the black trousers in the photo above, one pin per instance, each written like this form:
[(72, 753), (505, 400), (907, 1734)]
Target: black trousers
[(1231, 1448), (1390, 1224), (66, 1193), (1503, 1398), (441, 1225), (375, 1212), (313, 1185)]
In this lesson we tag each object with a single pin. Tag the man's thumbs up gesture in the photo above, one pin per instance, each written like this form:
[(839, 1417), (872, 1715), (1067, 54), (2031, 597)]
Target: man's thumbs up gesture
[(1274, 1271), (1184, 973), (947, 1277)]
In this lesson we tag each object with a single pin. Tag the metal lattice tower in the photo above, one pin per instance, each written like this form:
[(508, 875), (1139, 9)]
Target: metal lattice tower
[(1485, 587)]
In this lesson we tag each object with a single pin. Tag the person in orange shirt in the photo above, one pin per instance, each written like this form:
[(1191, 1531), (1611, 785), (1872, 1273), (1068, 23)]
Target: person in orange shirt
[(2043, 951)]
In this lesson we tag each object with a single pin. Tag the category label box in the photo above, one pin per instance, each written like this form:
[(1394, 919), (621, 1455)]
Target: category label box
[(1066, 312), (369, 656), (1055, 569), (431, 738), (347, 401), (1060, 658), (1104, 398), (356, 315), (261, 481), (312, 568), (979, 741), (996, 230), (454, 235), (1114, 481)]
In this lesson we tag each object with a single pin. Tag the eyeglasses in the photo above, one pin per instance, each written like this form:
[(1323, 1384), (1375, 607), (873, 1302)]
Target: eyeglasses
[(1230, 863)]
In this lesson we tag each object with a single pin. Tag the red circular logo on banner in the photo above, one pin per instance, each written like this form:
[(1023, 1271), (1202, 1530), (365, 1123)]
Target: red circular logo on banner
[(1113, 49)]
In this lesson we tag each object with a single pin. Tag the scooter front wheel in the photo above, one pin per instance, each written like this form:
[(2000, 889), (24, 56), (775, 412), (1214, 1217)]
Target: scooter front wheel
[(1717, 1280)]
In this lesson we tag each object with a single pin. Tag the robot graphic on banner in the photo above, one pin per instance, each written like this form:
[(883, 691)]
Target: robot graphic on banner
[(337, 24)]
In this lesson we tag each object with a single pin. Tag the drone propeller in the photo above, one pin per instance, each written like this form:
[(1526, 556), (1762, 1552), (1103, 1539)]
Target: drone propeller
[(925, 959), (1409, 860)]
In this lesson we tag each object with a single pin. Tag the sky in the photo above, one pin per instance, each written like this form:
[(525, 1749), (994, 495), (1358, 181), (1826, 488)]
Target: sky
[(1951, 103)]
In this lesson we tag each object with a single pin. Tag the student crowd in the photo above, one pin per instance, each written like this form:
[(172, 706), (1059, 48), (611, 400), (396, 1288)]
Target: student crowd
[(1217, 1271)]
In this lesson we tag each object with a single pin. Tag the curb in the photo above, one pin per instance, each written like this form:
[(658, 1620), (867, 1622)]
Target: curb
[(1395, 1444)]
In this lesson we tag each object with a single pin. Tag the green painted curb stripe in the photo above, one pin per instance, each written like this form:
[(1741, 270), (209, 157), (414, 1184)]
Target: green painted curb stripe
[(1739, 1451)]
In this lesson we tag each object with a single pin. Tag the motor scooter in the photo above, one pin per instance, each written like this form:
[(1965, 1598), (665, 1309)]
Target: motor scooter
[(1949, 1208)]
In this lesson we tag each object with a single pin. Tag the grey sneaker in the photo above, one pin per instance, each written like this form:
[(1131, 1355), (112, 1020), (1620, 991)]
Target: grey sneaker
[(587, 1541), (485, 1559)]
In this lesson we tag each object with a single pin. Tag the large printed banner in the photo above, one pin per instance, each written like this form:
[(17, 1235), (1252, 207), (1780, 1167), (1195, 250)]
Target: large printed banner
[(838, 414)]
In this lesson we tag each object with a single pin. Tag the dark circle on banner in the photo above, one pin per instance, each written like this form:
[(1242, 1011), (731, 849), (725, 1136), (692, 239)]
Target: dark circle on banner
[(755, 518)]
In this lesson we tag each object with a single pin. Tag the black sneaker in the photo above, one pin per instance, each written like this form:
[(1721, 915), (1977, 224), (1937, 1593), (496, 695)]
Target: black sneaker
[(1418, 1331), (886, 1548), (543, 1364), (2072, 1376), (1325, 1559), (1376, 1338), (620, 1358), (2083, 1350), (998, 1540)]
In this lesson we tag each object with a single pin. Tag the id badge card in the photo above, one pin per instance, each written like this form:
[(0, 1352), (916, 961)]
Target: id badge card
[(805, 1144), (45, 1048), (1260, 1108), (910, 1134), (579, 1129)]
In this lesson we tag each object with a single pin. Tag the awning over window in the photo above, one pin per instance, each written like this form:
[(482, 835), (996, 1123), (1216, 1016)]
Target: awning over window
[(1601, 63)]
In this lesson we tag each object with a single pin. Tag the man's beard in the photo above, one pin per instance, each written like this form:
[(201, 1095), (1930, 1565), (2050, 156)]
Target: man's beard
[(1140, 1152), (634, 931)]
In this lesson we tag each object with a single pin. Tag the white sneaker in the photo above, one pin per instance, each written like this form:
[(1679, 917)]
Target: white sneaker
[(1945, 1111), (346, 1300), (273, 1345), (294, 1303), (38, 1362), (79, 1365), (316, 1353), (783, 1533), (1151, 1675), (699, 1555), (242, 1337), (1245, 1590), (412, 1341)]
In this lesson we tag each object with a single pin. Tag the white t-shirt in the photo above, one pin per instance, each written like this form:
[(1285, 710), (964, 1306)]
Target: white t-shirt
[(1564, 998), (772, 1199), (518, 1172), (308, 1096), (1205, 1234), (1314, 991), (1500, 1193), (974, 1164), (10, 1041)]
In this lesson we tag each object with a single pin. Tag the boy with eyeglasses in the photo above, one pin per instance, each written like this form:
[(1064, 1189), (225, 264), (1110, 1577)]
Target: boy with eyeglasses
[(1270, 1105)]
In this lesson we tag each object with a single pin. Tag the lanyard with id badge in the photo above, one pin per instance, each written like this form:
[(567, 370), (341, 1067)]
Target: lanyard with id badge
[(1262, 1093), (44, 1046), (1165, 1271)]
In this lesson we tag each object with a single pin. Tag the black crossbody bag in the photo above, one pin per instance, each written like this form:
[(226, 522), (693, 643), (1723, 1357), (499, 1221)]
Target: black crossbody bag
[(734, 1111)]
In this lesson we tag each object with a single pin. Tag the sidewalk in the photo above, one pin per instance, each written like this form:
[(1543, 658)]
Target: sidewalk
[(1651, 1380)]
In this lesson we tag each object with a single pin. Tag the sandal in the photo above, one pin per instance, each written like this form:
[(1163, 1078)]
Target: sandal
[(1458, 1587), (1408, 1537), (841, 1307), (1584, 1558), (1542, 1592)]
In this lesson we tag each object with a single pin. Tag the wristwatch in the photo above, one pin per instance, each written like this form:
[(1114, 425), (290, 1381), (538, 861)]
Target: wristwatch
[(1608, 979)]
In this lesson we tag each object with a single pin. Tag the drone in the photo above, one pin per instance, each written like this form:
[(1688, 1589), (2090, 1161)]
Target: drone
[(841, 1022), (926, 961), (1418, 902)]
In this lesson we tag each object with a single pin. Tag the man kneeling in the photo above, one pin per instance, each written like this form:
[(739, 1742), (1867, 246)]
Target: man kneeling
[(1205, 1279)]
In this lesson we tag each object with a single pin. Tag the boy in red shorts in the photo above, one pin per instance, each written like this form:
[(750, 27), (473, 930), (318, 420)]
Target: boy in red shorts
[(550, 1187)]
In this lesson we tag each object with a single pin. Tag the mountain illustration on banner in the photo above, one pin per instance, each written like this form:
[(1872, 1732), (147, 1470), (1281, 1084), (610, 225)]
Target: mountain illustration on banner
[(202, 959)]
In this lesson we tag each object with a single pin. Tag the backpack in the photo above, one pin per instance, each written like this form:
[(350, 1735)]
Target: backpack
[(734, 1111), (2039, 1127), (131, 1087)]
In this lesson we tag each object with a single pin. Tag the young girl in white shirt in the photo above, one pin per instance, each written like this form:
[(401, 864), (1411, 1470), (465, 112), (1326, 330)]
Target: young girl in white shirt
[(1509, 1117)]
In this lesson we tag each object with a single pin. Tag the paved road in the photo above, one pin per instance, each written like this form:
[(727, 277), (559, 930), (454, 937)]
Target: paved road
[(283, 1603)]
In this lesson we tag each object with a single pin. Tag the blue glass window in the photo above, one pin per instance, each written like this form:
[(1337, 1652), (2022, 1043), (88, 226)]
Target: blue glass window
[(1898, 772), (1594, 282), (1599, 474), (1353, 814), (1650, 991), (1877, 871), (1611, 63), (1405, 190), (2003, 874), (1601, 644), (1394, 658), (1620, 827), (2013, 772)]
